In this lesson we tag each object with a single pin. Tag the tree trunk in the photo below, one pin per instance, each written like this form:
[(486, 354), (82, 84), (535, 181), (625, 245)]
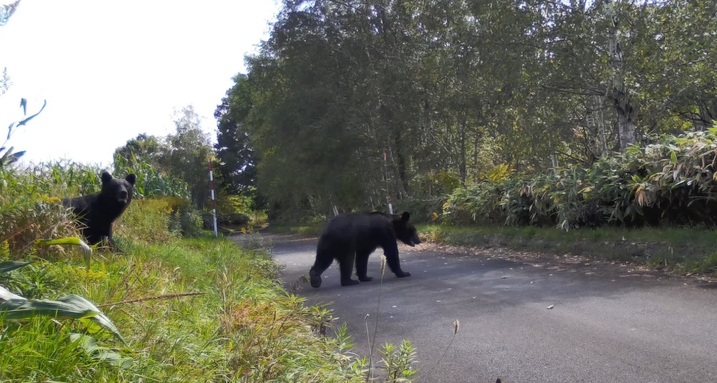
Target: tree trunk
[(476, 145), (625, 122), (462, 138), (400, 161), (618, 93)]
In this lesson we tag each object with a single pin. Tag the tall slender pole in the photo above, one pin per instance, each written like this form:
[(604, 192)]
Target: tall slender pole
[(214, 201), (385, 177)]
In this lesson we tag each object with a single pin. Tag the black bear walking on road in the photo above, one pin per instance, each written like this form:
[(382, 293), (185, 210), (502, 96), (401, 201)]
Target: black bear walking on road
[(355, 236), (96, 212)]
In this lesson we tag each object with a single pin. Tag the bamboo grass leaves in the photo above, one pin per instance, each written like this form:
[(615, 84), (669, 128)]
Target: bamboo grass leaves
[(73, 307), (670, 182)]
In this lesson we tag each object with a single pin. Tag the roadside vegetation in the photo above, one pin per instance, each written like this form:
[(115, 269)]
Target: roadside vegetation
[(585, 128), (654, 204), (683, 251), (185, 308)]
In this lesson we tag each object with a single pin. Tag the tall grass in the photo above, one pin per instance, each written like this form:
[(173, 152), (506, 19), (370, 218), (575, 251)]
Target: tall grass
[(243, 326), (190, 309), (30, 210), (150, 181)]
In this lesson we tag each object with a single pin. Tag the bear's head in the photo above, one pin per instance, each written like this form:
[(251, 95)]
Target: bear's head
[(117, 191), (405, 231)]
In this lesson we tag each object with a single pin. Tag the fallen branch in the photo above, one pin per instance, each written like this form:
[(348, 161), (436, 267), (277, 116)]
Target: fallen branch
[(160, 297)]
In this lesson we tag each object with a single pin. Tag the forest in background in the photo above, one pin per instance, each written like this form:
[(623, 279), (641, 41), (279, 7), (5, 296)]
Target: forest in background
[(349, 104)]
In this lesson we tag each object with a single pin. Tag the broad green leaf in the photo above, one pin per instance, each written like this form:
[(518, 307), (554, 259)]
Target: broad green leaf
[(6, 267), (6, 295), (89, 344), (69, 307), (72, 241)]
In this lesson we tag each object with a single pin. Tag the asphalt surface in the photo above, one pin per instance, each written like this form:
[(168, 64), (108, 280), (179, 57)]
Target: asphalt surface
[(522, 318)]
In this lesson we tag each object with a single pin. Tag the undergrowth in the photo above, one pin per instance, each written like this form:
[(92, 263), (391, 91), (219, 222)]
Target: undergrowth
[(683, 250), (190, 310), (194, 309)]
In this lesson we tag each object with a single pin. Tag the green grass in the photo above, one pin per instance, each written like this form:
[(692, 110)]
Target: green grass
[(189, 310), (243, 326), (685, 250)]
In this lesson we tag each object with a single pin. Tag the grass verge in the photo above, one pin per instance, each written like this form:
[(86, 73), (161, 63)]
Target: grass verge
[(681, 250), (190, 310)]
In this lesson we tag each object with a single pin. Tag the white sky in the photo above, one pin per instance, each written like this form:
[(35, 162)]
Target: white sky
[(110, 70)]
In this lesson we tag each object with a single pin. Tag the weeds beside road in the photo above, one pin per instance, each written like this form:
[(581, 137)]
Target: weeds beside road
[(683, 251)]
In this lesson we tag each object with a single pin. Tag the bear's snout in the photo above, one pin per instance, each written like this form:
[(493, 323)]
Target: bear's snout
[(411, 242), (414, 241), (123, 195)]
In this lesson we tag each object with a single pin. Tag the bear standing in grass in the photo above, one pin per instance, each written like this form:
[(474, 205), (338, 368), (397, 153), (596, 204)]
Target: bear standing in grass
[(355, 236), (96, 212)]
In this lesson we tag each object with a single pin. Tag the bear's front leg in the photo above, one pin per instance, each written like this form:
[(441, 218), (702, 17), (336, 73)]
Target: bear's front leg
[(391, 253), (111, 241), (362, 265)]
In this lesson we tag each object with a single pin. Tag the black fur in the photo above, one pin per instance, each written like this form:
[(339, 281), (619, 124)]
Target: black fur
[(96, 212), (354, 236)]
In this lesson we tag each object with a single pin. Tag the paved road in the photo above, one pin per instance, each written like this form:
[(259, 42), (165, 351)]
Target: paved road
[(608, 323)]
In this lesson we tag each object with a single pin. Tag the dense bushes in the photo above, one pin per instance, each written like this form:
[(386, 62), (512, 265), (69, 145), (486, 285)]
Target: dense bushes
[(670, 182), (30, 206), (30, 210)]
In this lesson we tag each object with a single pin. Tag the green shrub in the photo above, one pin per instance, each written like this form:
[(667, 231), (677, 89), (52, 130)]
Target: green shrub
[(147, 221), (150, 181), (68, 178), (670, 182), (30, 211), (187, 220), (478, 203), (422, 210)]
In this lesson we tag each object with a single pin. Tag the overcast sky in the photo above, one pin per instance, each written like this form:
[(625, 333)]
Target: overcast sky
[(110, 70)]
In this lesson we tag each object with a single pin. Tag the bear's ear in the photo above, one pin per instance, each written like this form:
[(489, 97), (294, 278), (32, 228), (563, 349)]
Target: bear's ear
[(106, 177), (131, 178), (405, 216)]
